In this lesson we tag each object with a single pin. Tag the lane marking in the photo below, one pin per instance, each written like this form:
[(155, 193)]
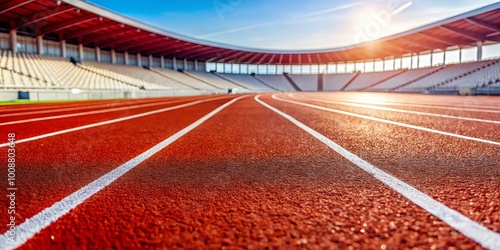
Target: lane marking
[(426, 106), (69, 109), (93, 112), (43, 219), (471, 229), (393, 109), (110, 121), (423, 100), (388, 121), (37, 106)]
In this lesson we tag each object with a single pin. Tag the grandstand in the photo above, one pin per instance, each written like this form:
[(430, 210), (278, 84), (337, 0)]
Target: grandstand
[(117, 53)]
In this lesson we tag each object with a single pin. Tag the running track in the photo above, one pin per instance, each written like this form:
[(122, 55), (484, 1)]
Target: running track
[(303, 170)]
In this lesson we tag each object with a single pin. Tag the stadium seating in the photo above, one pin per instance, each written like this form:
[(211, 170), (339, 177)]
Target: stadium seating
[(404, 78), (366, 80), (306, 82), (213, 79), (335, 82), (277, 81), (24, 70), (486, 74), (247, 81), (133, 74), (444, 75), (185, 79), (34, 71)]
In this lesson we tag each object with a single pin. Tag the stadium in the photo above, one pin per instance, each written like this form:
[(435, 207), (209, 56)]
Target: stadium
[(119, 134)]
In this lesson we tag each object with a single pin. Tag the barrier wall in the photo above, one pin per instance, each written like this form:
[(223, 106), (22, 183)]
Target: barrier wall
[(60, 95)]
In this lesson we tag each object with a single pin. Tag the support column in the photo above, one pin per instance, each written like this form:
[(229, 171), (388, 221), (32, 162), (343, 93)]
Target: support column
[(460, 55), (401, 62), (98, 54), (162, 62), (126, 57), (394, 63), (174, 63), (432, 53), (139, 60), (113, 56), (63, 48), (80, 52), (150, 63), (39, 45), (411, 61), (444, 57), (479, 51), (418, 61), (13, 41), (186, 64)]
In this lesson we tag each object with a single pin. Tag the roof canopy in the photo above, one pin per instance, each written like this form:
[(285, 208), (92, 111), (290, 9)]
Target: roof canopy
[(80, 22)]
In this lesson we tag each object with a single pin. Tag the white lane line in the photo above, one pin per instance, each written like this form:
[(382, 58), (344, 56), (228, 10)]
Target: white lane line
[(482, 235), (388, 121), (393, 109), (425, 106), (38, 106), (106, 105), (92, 112), (110, 121), (38, 222)]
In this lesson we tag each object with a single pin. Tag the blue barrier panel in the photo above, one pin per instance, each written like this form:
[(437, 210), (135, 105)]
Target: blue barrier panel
[(23, 95)]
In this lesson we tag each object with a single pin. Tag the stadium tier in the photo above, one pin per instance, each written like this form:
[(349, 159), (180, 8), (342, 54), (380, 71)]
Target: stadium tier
[(33, 71), (135, 74), (213, 79), (479, 77), (305, 82), (404, 78), (25, 70), (446, 75), (246, 81), (277, 81), (335, 82), (365, 80), (185, 79)]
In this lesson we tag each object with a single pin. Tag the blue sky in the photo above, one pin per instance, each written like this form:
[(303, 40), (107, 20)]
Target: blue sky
[(290, 24)]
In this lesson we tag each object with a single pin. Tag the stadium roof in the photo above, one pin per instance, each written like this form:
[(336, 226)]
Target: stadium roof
[(81, 22)]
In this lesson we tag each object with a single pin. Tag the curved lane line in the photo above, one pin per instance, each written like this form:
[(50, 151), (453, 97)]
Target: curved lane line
[(43, 219), (388, 121), (110, 121), (473, 230)]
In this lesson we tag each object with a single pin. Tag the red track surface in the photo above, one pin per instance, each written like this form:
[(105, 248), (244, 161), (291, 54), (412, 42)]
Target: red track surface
[(248, 178)]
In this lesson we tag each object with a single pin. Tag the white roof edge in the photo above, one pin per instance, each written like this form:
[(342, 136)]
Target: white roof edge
[(112, 15)]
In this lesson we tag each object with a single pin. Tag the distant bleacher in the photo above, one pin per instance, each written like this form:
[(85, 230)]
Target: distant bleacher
[(24, 71), (213, 79), (335, 82), (447, 74), (404, 78), (277, 81), (365, 80), (306, 82), (248, 81)]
